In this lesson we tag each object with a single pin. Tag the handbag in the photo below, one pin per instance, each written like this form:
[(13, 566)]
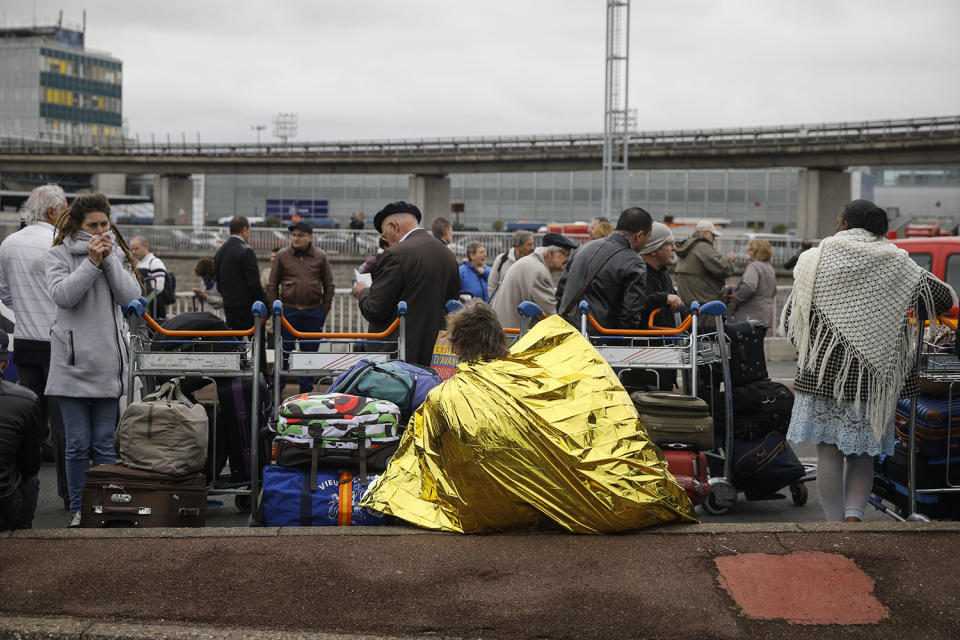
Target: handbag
[(166, 432)]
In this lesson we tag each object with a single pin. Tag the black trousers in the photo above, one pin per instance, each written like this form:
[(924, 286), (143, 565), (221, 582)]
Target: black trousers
[(17, 509), (34, 377)]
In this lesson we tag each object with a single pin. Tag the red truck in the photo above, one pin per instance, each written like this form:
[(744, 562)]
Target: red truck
[(939, 255)]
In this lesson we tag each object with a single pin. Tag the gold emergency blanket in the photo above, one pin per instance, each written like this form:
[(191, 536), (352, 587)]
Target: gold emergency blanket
[(545, 437)]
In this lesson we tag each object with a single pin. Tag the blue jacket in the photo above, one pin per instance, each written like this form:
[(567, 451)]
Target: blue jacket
[(473, 283)]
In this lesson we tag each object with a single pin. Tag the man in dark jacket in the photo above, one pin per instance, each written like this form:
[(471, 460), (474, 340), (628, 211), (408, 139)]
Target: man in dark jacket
[(416, 269), (20, 437), (301, 278), (609, 275), (238, 277)]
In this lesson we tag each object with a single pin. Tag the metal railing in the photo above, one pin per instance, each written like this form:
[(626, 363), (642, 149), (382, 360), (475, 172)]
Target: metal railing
[(803, 134)]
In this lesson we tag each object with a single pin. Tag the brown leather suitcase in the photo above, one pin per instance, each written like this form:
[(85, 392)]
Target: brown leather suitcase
[(118, 496)]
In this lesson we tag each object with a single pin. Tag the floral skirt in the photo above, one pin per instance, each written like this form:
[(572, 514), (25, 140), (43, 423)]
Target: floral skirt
[(817, 420)]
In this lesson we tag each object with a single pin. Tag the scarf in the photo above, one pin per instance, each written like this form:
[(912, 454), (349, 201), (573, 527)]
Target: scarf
[(860, 288)]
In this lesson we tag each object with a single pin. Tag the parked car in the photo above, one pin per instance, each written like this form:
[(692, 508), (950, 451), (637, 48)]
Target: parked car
[(939, 254)]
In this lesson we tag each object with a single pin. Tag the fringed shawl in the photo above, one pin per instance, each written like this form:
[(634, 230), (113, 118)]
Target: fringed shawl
[(857, 291)]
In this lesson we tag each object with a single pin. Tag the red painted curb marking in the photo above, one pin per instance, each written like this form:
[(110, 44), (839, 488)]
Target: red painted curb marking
[(803, 587)]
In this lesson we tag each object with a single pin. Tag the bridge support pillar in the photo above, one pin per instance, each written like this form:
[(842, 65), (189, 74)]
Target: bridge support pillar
[(110, 184), (821, 194), (432, 194), (173, 194)]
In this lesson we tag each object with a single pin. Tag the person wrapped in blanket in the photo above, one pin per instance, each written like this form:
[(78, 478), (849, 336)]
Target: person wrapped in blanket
[(540, 436), (849, 316)]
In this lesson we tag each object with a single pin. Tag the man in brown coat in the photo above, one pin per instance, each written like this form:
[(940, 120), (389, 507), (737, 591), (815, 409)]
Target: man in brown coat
[(302, 280), (416, 269)]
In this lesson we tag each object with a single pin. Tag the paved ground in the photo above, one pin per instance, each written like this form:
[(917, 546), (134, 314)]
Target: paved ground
[(662, 583)]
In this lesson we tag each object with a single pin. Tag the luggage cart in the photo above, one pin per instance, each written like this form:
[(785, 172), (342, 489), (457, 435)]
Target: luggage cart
[(683, 348), (936, 365), (147, 360), (335, 352)]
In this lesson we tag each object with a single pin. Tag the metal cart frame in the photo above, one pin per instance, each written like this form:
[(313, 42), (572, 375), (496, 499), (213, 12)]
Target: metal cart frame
[(145, 362)]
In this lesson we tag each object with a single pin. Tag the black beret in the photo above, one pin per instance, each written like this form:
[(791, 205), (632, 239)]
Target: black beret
[(553, 239), (395, 207)]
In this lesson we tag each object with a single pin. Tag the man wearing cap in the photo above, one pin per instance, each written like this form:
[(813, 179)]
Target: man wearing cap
[(302, 280), (702, 271), (417, 269), (609, 275), (530, 279), (238, 276), (23, 288), (20, 456), (523, 244)]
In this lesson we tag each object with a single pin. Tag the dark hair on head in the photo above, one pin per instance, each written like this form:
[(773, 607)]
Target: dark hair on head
[(205, 268), (238, 224), (475, 332), (863, 214), (440, 224), (633, 220), (72, 219)]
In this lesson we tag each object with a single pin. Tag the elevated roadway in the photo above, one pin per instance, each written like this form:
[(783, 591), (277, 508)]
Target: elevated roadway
[(831, 145)]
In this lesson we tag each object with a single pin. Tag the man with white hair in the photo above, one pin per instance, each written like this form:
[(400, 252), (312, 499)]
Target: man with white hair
[(522, 246), (531, 279), (702, 271), (154, 274), (23, 288)]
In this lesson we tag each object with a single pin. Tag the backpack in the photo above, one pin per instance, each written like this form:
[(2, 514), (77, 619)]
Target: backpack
[(168, 296), (405, 385)]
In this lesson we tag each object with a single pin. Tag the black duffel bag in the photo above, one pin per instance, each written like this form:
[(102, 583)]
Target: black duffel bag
[(761, 407), (764, 466), (748, 361)]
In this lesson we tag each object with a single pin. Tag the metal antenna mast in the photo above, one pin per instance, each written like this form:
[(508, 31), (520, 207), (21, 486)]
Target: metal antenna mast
[(616, 118)]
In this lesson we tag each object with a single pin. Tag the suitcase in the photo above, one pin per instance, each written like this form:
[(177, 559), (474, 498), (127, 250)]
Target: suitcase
[(291, 500), (235, 397), (760, 407), (690, 470), (933, 439), (764, 466), (674, 420), (890, 483), (748, 362), (117, 496)]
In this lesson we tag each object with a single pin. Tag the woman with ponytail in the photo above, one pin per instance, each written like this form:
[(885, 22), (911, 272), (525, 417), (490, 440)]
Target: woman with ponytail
[(91, 276), (849, 317)]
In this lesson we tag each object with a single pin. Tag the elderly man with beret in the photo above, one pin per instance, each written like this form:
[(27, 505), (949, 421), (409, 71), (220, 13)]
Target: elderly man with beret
[(413, 269), (531, 279)]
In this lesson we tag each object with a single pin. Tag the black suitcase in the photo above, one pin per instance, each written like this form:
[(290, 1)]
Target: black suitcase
[(235, 397), (748, 362), (760, 407), (764, 466), (890, 483), (118, 496)]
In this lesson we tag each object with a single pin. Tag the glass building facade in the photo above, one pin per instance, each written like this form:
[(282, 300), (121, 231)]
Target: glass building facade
[(52, 88), (760, 198)]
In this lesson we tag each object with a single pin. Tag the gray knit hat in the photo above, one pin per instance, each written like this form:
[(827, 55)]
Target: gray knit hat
[(658, 236)]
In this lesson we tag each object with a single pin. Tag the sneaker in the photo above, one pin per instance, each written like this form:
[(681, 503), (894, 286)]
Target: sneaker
[(75, 520)]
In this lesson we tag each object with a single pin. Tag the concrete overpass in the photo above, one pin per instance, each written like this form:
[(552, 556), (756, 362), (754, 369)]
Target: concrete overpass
[(823, 150)]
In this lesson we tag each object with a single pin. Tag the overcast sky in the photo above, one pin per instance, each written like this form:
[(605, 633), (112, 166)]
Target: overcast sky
[(435, 68)]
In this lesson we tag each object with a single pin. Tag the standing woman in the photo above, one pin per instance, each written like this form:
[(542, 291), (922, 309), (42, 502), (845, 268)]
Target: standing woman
[(91, 275), (849, 317), (754, 297), (474, 274)]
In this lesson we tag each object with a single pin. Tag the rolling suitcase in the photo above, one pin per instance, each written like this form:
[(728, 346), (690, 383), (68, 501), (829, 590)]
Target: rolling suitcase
[(748, 361), (674, 420), (890, 483), (764, 466), (118, 496), (934, 416), (690, 470)]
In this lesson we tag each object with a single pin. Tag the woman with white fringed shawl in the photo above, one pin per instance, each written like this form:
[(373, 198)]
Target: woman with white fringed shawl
[(849, 318)]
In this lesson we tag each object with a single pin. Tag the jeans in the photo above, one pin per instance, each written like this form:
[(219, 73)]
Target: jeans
[(89, 424), (307, 320)]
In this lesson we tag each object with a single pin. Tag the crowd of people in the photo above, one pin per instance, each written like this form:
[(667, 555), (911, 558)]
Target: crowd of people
[(69, 272)]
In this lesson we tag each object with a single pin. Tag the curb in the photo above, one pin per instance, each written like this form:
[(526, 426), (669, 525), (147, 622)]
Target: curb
[(666, 530)]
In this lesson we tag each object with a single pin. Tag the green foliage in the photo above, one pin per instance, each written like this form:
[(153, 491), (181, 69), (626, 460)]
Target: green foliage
[(497, 225), (272, 221), (779, 228), (170, 221)]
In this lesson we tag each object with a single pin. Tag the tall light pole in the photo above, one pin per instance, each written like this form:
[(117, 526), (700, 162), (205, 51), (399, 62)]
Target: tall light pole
[(616, 113), (285, 126), (258, 128)]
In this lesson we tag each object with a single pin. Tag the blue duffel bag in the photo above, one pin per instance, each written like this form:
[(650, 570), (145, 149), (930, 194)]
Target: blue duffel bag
[(290, 501), (405, 385)]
